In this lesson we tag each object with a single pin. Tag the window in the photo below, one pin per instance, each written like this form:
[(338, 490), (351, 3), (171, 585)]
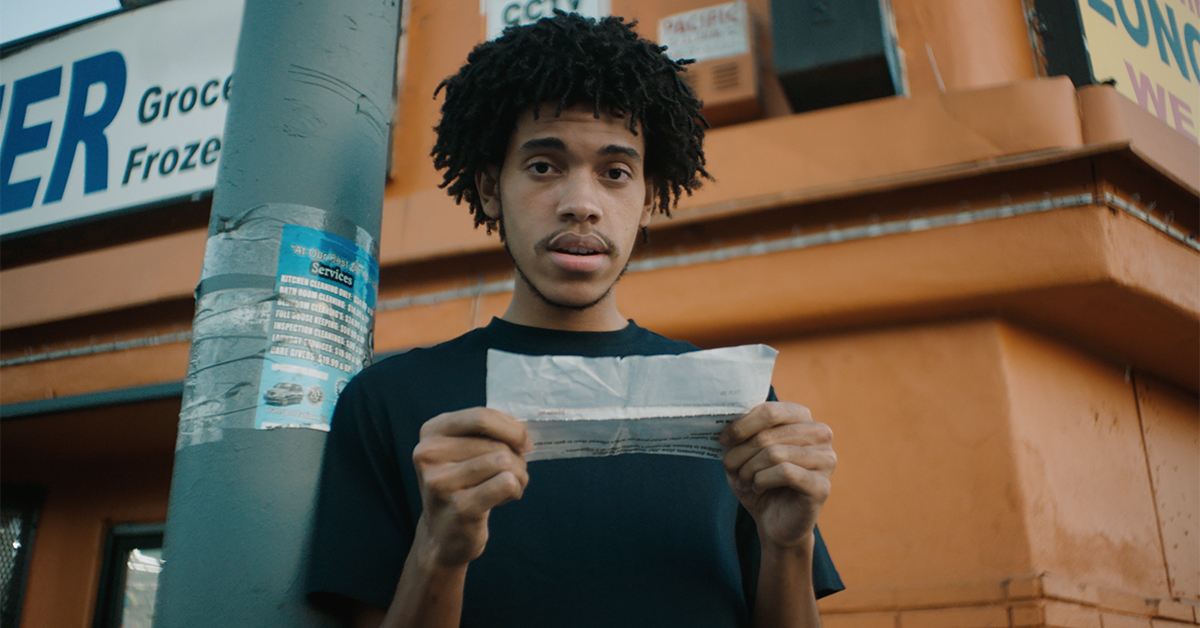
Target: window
[(19, 508), (129, 582)]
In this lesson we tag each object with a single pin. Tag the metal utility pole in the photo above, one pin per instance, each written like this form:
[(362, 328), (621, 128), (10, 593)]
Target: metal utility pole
[(284, 308)]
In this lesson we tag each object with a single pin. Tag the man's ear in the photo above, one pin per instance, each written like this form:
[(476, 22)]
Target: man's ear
[(488, 188), (648, 205)]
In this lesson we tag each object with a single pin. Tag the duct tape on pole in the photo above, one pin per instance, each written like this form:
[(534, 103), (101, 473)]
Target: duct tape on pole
[(284, 308)]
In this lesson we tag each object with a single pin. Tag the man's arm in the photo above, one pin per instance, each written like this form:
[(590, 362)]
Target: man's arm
[(778, 465), (467, 463), (785, 588)]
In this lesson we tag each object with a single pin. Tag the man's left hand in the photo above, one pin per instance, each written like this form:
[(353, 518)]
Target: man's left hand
[(778, 465)]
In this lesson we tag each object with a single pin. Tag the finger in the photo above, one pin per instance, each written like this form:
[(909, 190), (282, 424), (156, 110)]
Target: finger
[(814, 484), (480, 422), (761, 417), (478, 501), (818, 459), (807, 434), (444, 481), (437, 450)]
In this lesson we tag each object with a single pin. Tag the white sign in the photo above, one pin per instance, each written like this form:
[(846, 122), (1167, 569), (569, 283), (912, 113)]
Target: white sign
[(710, 33), (504, 13), (121, 112)]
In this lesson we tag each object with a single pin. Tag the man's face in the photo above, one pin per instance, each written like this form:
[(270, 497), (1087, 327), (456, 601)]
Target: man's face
[(571, 197)]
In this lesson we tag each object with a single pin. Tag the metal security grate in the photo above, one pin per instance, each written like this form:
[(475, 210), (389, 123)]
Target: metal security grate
[(19, 506)]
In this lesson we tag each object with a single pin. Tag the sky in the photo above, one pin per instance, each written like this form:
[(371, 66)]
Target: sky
[(20, 18)]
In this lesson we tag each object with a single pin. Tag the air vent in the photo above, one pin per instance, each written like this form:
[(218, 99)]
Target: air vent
[(726, 76)]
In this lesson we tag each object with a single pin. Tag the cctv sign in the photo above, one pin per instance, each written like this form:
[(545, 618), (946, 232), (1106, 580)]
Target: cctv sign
[(504, 13), (96, 120)]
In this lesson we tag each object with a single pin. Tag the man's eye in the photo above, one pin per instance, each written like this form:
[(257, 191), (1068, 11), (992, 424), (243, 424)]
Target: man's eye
[(540, 167), (617, 174)]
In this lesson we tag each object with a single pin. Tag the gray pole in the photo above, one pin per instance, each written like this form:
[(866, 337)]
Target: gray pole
[(284, 307)]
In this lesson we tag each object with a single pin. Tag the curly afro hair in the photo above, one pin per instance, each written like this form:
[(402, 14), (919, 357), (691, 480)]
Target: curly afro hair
[(567, 60)]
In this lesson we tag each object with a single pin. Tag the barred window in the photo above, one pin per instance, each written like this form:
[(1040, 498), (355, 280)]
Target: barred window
[(19, 508)]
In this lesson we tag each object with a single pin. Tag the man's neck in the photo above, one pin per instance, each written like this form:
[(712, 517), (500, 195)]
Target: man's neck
[(530, 310)]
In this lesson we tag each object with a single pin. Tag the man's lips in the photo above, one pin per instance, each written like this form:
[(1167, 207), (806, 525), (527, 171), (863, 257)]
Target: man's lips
[(578, 243), (580, 253)]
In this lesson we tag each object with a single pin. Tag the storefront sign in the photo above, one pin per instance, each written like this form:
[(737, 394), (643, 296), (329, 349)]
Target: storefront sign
[(504, 13), (1152, 49), (119, 113), (710, 33)]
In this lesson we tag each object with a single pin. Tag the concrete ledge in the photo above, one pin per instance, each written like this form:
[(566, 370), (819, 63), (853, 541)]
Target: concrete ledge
[(1034, 600), (1109, 117), (1051, 271)]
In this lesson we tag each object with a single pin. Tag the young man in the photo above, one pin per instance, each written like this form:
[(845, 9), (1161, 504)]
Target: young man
[(564, 136)]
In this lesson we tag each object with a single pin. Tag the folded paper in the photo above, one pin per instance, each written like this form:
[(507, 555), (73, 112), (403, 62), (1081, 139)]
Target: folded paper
[(576, 406)]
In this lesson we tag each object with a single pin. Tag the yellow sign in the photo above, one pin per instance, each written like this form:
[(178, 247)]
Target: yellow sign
[(1151, 48)]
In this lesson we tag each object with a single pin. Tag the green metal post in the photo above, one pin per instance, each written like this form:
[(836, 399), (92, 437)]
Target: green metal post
[(284, 307)]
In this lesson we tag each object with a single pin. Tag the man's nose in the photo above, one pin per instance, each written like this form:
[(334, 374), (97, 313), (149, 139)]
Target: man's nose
[(581, 198)]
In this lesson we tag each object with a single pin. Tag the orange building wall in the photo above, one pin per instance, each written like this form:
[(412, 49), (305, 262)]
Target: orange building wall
[(81, 504), (101, 468), (1014, 400), (935, 424), (1077, 441), (1172, 440)]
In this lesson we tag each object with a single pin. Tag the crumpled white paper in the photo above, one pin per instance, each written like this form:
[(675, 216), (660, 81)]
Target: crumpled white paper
[(577, 406)]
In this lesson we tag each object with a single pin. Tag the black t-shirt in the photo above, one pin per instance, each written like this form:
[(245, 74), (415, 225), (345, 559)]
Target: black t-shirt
[(633, 539)]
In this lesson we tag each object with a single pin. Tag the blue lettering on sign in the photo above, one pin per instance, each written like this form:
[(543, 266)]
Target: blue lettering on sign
[(1191, 37), (533, 10), (107, 70), (1171, 36), (205, 99), (154, 105), (147, 114), (173, 159), (1104, 10), (529, 10), (1166, 31), (508, 14), (1140, 34), (19, 139)]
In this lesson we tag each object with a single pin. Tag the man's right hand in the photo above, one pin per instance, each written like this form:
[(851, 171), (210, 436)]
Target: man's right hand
[(467, 463)]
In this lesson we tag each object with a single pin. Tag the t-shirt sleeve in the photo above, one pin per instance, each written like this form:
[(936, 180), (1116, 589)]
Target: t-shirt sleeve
[(826, 579), (361, 531)]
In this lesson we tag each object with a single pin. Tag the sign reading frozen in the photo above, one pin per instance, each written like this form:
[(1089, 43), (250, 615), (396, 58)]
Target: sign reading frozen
[(504, 13), (320, 329), (96, 120)]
